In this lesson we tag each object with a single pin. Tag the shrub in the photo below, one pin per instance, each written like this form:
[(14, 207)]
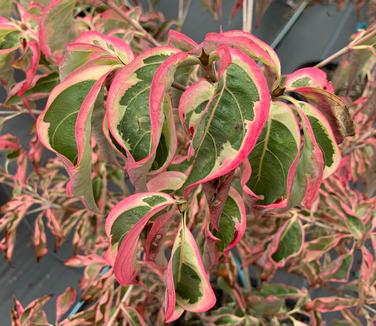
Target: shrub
[(189, 167)]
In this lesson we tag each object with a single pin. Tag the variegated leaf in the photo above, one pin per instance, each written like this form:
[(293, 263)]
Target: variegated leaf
[(251, 46), (188, 286), (123, 227), (333, 108), (275, 157), (64, 126), (181, 41), (234, 118), (232, 222), (134, 128), (94, 47), (56, 28), (310, 170), (288, 242), (193, 103), (308, 77), (324, 137)]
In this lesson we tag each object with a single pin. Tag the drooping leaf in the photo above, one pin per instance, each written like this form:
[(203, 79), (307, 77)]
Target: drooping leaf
[(319, 246), (40, 238), (310, 170), (281, 290), (166, 181), (339, 269), (324, 137), (180, 41), (288, 242), (65, 301), (232, 222), (136, 129), (308, 77), (123, 227), (333, 108), (64, 126), (234, 118), (330, 304), (56, 28), (188, 285), (251, 46), (275, 157), (193, 103), (94, 47), (159, 95)]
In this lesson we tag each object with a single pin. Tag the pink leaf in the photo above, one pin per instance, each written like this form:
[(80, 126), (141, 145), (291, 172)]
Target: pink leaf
[(64, 302)]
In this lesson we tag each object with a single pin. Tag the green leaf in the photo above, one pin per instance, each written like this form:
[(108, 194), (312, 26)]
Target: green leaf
[(232, 222), (288, 242), (272, 159), (324, 137), (190, 282)]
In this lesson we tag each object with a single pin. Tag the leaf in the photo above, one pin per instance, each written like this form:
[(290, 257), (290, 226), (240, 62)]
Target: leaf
[(310, 170), (288, 242), (275, 157), (281, 290), (40, 239), (160, 87), (319, 246), (34, 314), (330, 304), (232, 222), (64, 126), (56, 28), (308, 77), (168, 181), (33, 51), (168, 141), (193, 103), (156, 239), (248, 44), (124, 224), (134, 128), (92, 47), (180, 41), (324, 137), (339, 269), (64, 302), (234, 118), (188, 285), (333, 108)]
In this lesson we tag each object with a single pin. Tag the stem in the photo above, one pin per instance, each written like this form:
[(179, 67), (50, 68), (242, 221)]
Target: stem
[(131, 22), (116, 312), (334, 56), (178, 86), (183, 12), (247, 15), (347, 48)]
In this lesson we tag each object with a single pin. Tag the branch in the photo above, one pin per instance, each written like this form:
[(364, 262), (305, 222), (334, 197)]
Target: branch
[(351, 46), (131, 22)]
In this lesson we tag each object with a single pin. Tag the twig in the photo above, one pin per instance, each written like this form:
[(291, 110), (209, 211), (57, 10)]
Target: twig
[(183, 12), (117, 310), (347, 48), (131, 22), (178, 86), (247, 15)]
